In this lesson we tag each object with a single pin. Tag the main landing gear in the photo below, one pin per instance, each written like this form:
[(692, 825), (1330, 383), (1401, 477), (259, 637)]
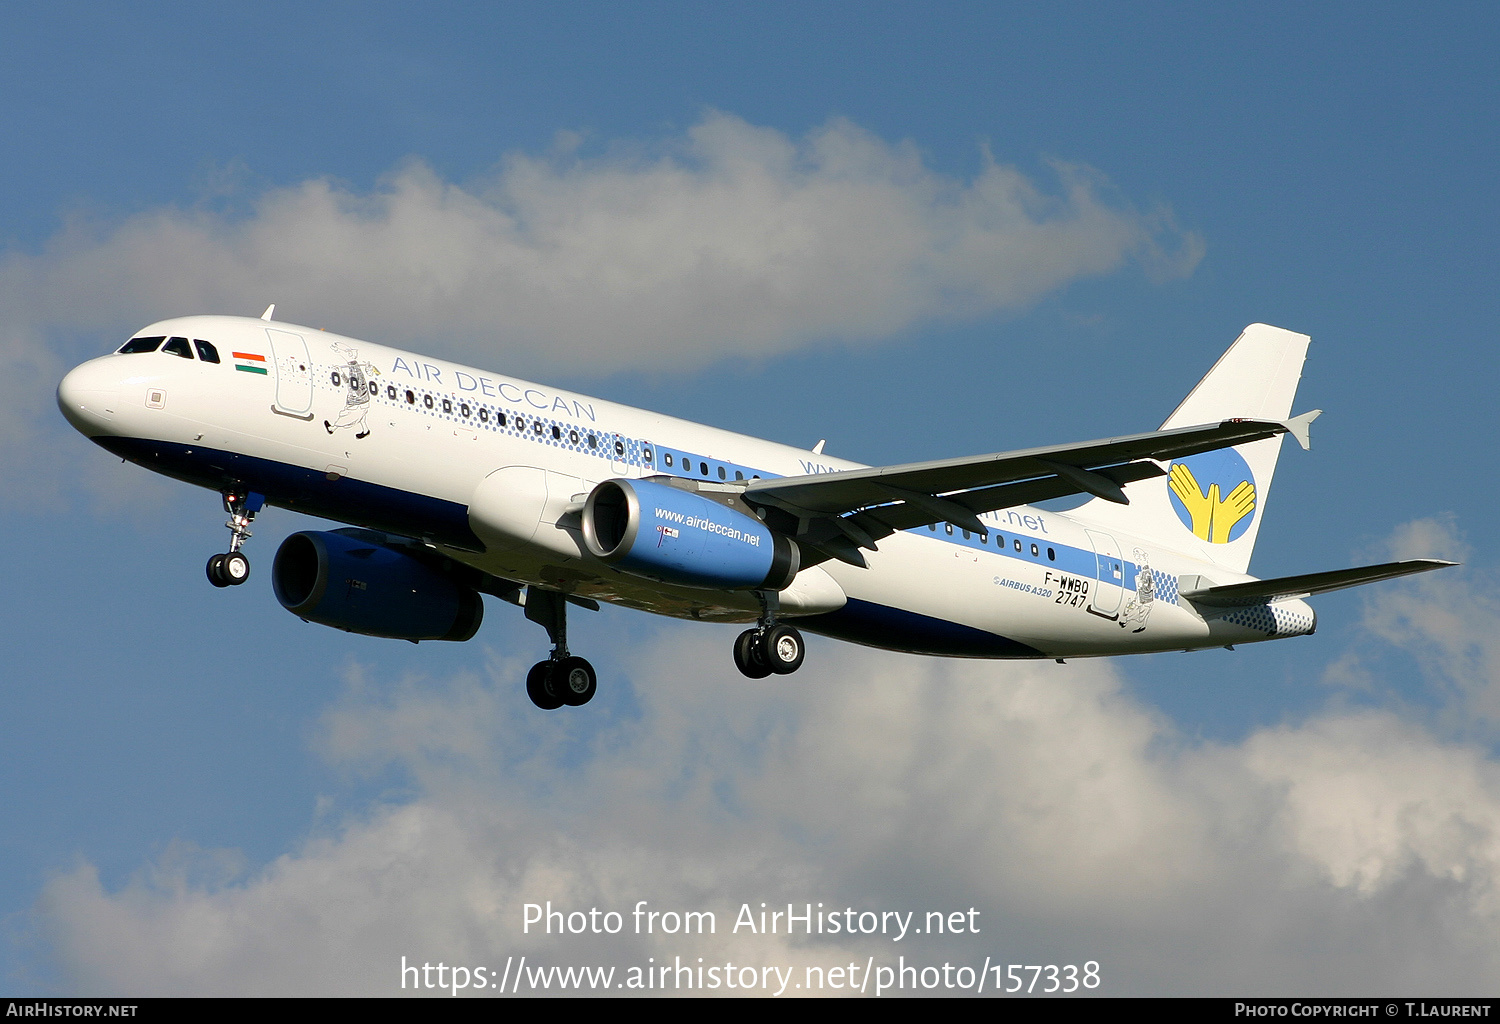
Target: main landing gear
[(562, 678), (232, 568), (771, 646)]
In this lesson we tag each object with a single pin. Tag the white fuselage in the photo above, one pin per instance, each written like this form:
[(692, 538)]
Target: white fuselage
[(491, 471)]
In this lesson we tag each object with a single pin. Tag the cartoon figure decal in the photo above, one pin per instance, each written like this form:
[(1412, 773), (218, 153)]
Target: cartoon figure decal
[(1138, 608), (1213, 494), (355, 378)]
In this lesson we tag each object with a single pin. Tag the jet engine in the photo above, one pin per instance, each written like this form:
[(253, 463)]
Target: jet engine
[(361, 582), (665, 533)]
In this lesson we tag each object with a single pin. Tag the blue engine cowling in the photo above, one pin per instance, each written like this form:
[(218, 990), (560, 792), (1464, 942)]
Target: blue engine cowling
[(352, 580), (676, 536)]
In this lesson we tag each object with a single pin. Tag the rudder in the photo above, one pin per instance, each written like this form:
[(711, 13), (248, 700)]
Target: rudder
[(1211, 504)]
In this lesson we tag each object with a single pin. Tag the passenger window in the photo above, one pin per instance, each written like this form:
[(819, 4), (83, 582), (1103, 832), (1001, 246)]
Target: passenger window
[(1018, 544), (374, 389), (667, 458), (520, 423), (447, 407), (966, 535), (178, 347), (1034, 551), (206, 352), (463, 410), (556, 432), (704, 467), (722, 475), (499, 418), (687, 465), (620, 448), (536, 428), (932, 527), (335, 378), (573, 437), (984, 538), (949, 528), (427, 401), (142, 345), (411, 398), (593, 441), (1051, 555), (390, 392), (738, 475), (484, 415), (645, 454)]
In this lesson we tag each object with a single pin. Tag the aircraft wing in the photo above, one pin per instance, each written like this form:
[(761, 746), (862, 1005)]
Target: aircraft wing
[(1239, 595), (838, 513)]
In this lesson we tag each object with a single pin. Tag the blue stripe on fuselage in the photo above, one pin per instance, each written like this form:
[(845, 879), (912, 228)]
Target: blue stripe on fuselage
[(1078, 561), (358, 502)]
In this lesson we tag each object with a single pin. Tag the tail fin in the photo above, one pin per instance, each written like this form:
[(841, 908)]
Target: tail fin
[(1211, 504)]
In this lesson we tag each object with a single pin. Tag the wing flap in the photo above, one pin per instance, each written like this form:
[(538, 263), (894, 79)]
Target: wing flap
[(1063, 470)]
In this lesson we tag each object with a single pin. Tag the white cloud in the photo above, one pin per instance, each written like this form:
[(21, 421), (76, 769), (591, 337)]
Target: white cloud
[(730, 241), (1370, 800), (1078, 822), (27, 431), (1447, 618)]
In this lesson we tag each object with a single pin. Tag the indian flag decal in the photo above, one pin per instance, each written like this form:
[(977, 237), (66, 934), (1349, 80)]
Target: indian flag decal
[(249, 362)]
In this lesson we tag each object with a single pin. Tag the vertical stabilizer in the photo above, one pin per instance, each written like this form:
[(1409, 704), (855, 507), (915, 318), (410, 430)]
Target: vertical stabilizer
[(1211, 504)]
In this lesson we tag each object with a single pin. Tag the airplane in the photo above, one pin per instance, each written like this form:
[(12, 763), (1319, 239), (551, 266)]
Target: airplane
[(457, 482)]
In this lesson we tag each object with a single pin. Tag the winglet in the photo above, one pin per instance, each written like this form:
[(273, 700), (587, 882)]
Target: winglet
[(271, 309), (1298, 426)]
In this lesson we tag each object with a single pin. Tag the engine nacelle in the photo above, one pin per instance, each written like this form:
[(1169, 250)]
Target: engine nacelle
[(676, 536), (351, 580)]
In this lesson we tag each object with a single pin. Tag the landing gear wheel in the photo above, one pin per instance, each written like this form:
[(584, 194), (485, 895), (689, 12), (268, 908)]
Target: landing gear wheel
[(235, 568), (574, 681), (782, 649), (747, 655), (215, 569), (539, 687)]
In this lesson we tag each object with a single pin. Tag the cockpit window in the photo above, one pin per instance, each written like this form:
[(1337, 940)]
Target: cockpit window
[(142, 344), (178, 347), (206, 352)]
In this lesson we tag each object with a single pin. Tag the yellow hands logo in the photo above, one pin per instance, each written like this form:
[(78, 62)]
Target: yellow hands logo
[(1212, 516)]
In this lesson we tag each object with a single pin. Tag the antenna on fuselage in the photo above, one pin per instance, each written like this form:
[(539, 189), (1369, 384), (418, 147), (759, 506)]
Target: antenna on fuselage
[(817, 449), (269, 310)]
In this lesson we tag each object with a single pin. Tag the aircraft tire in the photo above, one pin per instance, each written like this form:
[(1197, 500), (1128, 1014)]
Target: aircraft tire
[(235, 568), (747, 655), (539, 687), (215, 569), (782, 649), (574, 681)]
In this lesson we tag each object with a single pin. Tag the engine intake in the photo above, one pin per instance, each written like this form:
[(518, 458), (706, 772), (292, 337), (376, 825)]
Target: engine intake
[(354, 581), (665, 533)]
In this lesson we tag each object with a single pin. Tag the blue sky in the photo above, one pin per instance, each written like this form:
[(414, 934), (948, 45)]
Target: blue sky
[(190, 771)]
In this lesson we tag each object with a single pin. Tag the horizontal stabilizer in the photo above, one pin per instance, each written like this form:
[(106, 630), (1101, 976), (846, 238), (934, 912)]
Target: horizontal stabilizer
[(1238, 595)]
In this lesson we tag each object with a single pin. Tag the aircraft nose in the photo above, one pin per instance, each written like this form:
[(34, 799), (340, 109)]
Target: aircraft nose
[(86, 396)]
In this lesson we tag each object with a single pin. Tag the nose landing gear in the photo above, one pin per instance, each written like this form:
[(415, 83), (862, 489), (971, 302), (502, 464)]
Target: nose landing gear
[(771, 646), (232, 568), (562, 678)]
